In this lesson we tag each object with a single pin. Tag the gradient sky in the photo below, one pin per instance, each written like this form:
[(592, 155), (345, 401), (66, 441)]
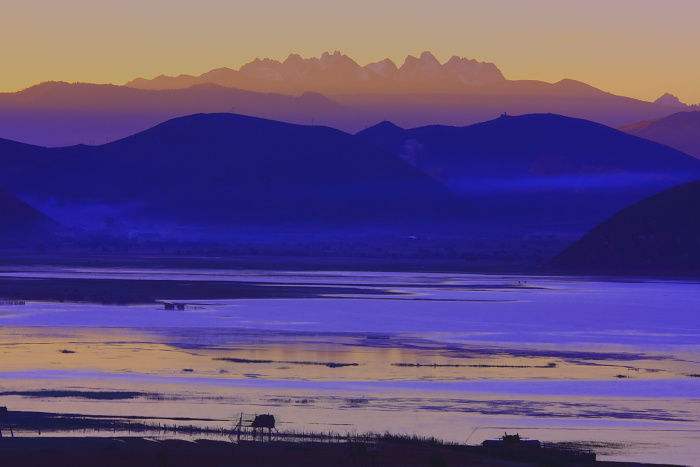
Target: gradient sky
[(640, 48)]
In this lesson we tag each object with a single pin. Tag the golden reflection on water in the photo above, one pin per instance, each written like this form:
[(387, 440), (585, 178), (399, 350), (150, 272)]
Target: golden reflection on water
[(322, 382), (644, 428), (322, 358)]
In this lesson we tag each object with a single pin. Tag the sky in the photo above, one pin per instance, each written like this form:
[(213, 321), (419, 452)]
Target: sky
[(639, 48)]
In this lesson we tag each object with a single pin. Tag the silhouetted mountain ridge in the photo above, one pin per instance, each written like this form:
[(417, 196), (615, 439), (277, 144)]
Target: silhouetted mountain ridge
[(547, 169), (671, 100), (514, 187), (232, 170), (61, 114), (337, 73), (331, 90)]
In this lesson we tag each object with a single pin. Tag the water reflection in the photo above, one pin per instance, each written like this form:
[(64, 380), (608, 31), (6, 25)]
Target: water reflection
[(612, 363)]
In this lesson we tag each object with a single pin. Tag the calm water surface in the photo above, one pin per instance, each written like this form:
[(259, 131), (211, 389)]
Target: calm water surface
[(609, 363)]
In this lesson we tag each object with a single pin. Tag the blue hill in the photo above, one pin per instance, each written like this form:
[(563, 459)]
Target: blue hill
[(539, 169), (226, 171), (515, 189)]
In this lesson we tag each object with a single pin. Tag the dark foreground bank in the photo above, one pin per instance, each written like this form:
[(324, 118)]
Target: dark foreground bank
[(138, 452)]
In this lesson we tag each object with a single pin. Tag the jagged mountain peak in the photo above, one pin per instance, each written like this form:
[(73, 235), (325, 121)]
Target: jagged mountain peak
[(338, 59), (670, 100), (293, 57), (426, 66), (426, 59), (336, 72), (260, 62), (428, 56), (385, 125), (332, 56), (456, 59), (384, 68)]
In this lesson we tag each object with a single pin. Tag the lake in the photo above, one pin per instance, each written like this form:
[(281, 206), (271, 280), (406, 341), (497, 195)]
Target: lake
[(610, 364)]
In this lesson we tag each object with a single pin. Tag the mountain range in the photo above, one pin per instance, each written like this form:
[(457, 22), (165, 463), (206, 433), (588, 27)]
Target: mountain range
[(63, 114), (336, 73), (541, 170), (332, 90), (225, 170), (515, 188)]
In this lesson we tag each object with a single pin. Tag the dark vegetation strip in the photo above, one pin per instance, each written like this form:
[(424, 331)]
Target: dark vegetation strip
[(91, 395), (466, 351), (290, 448), (94, 395), (46, 422), (133, 291), (286, 362), (474, 365), (362, 451)]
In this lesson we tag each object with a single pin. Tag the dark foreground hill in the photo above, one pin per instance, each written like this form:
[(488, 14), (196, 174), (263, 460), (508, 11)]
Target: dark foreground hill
[(680, 131), (659, 235), (541, 170)]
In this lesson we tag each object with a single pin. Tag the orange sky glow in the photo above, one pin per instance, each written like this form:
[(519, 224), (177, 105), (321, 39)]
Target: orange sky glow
[(640, 48)]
